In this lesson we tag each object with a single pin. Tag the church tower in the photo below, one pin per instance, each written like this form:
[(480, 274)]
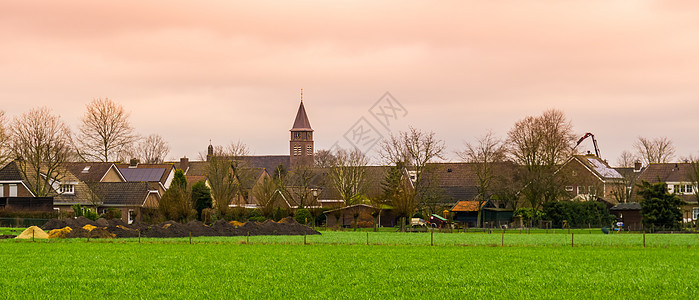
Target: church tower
[(301, 143)]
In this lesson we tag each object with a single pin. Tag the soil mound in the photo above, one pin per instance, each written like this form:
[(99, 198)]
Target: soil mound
[(97, 233), (83, 227), (102, 222), (79, 222), (34, 232), (54, 224)]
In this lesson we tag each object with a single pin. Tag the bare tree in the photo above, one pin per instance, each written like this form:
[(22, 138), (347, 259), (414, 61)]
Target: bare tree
[(483, 155), (348, 174), (539, 145), (413, 150), (4, 140), (105, 131), (267, 195), (657, 150), (694, 175), (222, 182), (41, 143), (626, 159), (324, 159), (152, 150)]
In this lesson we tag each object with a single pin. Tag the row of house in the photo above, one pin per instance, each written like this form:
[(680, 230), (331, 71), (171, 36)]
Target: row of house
[(134, 188), (130, 188)]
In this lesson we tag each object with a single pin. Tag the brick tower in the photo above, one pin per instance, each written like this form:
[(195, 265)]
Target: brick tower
[(301, 143)]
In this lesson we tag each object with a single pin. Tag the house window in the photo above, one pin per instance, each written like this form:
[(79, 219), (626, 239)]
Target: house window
[(696, 213), (592, 190), (581, 190), (132, 216), (297, 150), (309, 150), (2, 190), (684, 189), (68, 189), (13, 190), (569, 188)]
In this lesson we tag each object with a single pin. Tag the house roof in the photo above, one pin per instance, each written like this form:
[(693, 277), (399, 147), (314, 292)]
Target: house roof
[(466, 206), (667, 172), (146, 175), (124, 193), (359, 206), (94, 173), (10, 172), (301, 122), (169, 167), (598, 166), (459, 181)]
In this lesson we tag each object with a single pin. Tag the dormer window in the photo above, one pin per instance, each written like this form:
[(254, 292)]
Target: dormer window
[(86, 169), (67, 189)]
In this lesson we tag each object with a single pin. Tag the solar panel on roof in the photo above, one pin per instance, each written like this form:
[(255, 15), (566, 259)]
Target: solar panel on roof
[(153, 174)]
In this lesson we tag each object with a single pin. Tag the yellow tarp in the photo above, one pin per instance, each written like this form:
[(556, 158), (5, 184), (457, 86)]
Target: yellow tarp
[(89, 227), (235, 223), (60, 233), (33, 231)]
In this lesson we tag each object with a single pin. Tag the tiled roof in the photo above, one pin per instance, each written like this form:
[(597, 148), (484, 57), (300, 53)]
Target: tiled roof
[(95, 172), (124, 193), (459, 181), (466, 206), (667, 172), (301, 122), (10, 172)]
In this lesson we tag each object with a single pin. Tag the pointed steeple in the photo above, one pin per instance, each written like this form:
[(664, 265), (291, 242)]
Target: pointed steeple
[(301, 123)]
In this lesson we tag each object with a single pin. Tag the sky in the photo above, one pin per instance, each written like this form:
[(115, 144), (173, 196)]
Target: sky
[(226, 71)]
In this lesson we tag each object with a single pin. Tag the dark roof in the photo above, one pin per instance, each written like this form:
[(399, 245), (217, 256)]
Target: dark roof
[(197, 168), (148, 175), (627, 206), (301, 122), (10, 172), (93, 174), (667, 172), (124, 193), (167, 166), (459, 181), (268, 162), (376, 175)]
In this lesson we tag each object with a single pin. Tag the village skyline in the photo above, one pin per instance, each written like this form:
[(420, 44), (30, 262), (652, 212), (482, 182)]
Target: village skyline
[(232, 71)]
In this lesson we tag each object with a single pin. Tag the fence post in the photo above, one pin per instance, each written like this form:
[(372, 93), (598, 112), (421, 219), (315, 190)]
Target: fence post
[(33, 235), (589, 228), (304, 238), (572, 239), (190, 237), (432, 238), (139, 236), (247, 239), (367, 238), (502, 241), (644, 239)]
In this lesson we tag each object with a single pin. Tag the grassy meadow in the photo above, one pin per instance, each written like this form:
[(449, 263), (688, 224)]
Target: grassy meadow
[(340, 265)]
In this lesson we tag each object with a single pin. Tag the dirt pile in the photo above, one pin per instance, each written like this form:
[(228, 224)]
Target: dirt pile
[(83, 227), (33, 232)]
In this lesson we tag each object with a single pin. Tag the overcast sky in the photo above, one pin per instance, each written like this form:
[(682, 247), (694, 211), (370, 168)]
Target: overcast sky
[(194, 71)]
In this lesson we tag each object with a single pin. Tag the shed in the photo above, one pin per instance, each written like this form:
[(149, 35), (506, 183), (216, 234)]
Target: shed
[(630, 214), (365, 216)]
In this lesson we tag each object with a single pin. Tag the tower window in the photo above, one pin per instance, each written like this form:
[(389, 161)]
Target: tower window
[(297, 150), (309, 150)]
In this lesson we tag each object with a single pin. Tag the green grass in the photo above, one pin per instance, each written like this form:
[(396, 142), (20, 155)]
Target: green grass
[(76, 269)]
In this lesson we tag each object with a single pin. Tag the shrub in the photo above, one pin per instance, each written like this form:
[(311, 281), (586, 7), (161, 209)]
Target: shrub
[(578, 214), (112, 213), (256, 216), (303, 216)]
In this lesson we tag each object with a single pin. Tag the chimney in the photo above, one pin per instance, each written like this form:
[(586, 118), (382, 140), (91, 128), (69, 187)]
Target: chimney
[(133, 163), (184, 164), (637, 166)]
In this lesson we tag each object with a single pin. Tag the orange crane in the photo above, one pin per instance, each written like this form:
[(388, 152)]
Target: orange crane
[(594, 142)]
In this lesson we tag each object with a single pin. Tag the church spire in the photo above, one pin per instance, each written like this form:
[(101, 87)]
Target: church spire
[(301, 122)]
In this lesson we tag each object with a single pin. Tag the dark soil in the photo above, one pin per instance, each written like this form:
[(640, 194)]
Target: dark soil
[(7, 236), (120, 229)]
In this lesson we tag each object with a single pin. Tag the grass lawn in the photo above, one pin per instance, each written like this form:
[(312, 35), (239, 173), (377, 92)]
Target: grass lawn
[(332, 268)]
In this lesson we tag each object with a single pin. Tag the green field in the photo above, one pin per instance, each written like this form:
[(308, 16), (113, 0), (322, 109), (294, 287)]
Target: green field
[(341, 265)]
